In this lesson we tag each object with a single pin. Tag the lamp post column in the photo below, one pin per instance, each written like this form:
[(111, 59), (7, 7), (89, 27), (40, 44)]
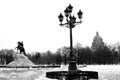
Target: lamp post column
[(71, 45)]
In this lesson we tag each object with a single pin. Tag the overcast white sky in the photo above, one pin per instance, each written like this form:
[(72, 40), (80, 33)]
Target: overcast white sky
[(35, 22)]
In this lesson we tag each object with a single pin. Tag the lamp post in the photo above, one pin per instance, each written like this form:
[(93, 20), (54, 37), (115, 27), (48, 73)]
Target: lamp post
[(70, 23), (73, 73)]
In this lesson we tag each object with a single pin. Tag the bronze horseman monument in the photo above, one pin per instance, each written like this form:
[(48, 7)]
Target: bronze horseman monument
[(20, 58)]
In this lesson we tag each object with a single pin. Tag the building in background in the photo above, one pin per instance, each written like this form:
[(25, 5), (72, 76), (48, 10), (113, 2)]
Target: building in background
[(97, 42)]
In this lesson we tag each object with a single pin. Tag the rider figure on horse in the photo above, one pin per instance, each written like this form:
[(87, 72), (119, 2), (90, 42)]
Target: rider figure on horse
[(20, 47)]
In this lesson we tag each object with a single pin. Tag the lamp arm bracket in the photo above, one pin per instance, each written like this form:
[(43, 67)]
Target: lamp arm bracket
[(65, 25), (79, 22)]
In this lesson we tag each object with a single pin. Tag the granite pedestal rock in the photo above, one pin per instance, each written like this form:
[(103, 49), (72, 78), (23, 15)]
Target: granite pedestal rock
[(20, 60)]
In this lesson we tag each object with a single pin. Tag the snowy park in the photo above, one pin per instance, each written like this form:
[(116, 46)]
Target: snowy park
[(49, 53)]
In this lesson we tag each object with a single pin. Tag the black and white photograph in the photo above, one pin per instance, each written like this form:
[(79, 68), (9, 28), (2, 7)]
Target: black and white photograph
[(59, 40)]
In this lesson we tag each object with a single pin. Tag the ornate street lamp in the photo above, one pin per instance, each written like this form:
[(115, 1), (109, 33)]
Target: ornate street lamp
[(70, 23), (73, 73)]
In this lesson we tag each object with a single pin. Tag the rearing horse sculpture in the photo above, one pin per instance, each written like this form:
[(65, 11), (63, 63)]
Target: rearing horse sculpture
[(20, 47)]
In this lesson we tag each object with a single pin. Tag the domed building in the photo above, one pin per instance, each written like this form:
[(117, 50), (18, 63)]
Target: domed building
[(97, 42)]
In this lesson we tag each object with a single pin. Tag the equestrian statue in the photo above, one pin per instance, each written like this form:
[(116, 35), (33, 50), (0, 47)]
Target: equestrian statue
[(21, 48)]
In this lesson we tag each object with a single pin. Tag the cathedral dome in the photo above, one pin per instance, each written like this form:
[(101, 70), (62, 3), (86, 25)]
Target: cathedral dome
[(97, 42)]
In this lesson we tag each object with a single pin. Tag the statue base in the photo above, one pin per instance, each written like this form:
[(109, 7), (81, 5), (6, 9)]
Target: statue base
[(20, 60)]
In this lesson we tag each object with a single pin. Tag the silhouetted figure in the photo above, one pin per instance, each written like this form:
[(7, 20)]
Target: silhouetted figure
[(20, 47)]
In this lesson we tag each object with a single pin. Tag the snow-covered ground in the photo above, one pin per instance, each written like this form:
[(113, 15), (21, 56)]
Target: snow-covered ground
[(106, 72)]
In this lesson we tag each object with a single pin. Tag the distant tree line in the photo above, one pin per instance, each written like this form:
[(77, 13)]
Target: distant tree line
[(109, 54), (98, 53), (6, 56)]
